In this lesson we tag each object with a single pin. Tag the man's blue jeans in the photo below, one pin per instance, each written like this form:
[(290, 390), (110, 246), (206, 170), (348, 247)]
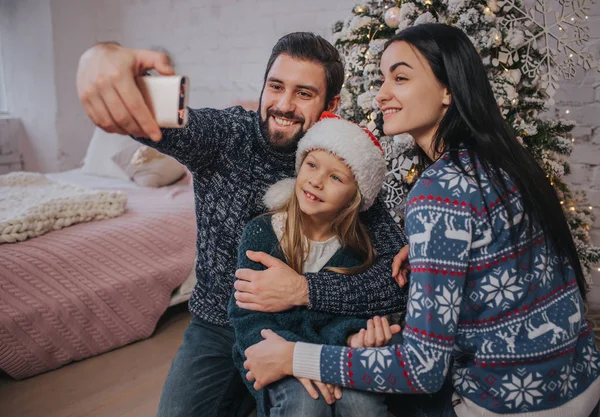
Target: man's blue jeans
[(202, 380)]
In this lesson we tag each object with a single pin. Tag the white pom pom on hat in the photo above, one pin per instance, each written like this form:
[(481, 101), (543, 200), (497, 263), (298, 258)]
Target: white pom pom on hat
[(358, 147), (279, 193)]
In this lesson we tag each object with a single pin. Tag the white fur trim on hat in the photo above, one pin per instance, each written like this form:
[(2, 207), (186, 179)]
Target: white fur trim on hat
[(351, 143), (279, 194)]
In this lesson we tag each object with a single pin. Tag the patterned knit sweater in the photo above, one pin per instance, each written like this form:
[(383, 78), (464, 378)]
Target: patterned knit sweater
[(297, 324), (510, 320), (233, 166)]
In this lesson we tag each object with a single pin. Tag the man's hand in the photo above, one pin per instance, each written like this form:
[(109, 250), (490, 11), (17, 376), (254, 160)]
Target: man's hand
[(401, 267), (330, 392), (278, 288), (270, 360), (378, 333), (107, 89)]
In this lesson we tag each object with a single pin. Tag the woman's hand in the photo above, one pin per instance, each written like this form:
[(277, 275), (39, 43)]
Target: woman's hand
[(401, 267), (270, 360), (330, 392), (378, 333)]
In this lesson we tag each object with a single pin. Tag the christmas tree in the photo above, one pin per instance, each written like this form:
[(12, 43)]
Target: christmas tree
[(525, 53)]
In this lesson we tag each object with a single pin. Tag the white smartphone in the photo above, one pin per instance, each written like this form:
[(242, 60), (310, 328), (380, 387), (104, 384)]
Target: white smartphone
[(167, 97)]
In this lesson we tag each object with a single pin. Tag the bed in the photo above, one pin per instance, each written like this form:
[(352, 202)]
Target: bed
[(92, 287)]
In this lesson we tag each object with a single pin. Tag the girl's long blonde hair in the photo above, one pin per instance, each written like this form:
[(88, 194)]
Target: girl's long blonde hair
[(348, 228)]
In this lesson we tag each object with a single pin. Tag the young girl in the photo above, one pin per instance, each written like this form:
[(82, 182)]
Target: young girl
[(495, 278), (314, 224)]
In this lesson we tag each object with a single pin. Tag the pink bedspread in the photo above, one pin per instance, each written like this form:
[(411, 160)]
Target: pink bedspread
[(93, 287)]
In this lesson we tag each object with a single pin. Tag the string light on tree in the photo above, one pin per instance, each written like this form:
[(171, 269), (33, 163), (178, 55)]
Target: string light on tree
[(360, 9), (411, 176)]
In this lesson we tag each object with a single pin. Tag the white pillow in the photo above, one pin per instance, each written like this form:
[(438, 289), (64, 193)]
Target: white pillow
[(99, 156), (148, 167)]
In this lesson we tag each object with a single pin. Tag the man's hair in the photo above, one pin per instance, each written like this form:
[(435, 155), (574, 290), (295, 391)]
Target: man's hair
[(310, 47)]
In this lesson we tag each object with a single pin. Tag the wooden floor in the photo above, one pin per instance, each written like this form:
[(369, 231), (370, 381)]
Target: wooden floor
[(123, 383)]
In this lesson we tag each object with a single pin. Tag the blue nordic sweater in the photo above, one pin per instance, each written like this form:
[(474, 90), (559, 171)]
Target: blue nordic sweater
[(507, 316)]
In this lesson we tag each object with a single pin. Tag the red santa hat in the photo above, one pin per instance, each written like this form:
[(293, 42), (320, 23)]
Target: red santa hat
[(357, 147)]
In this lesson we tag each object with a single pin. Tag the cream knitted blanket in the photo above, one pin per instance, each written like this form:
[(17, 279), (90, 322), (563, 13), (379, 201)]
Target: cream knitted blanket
[(32, 204)]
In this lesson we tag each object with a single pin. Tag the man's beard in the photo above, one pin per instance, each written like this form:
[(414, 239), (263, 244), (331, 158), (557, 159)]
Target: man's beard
[(279, 140)]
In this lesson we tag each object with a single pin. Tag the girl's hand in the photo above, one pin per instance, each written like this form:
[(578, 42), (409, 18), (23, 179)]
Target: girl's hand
[(401, 267), (270, 360), (378, 333), (330, 392)]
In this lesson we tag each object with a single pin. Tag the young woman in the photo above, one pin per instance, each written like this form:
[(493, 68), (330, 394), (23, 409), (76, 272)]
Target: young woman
[(314, 224), (495, 278)]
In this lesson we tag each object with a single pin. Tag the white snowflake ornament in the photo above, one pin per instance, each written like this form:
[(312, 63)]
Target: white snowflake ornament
[(554, 41)]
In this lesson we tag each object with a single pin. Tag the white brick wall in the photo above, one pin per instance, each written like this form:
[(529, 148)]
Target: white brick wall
[(581, 97), (222, 46)]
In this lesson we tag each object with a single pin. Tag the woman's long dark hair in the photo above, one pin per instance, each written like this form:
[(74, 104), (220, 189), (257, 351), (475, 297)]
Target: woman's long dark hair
[(473, 121)]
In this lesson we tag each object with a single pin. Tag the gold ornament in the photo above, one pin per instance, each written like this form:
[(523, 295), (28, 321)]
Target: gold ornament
[(392, 17)]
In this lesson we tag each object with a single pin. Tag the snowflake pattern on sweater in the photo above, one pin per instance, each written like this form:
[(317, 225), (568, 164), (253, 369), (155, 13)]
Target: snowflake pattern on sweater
[(511, 322)]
